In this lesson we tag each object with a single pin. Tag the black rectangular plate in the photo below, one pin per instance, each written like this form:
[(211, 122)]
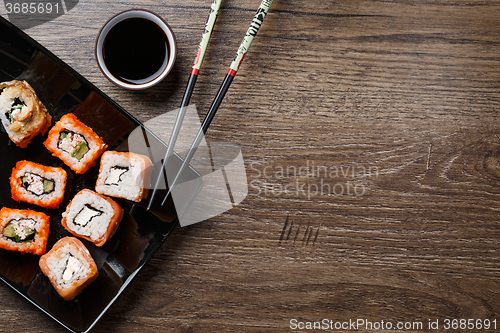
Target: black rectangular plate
[(140, 234)]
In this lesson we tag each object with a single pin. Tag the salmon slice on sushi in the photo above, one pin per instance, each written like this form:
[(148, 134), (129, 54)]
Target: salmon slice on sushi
[(76, 144), (23, 114), (92, 216), (69, 267), (38, 184), (124, 175), (24, 230)]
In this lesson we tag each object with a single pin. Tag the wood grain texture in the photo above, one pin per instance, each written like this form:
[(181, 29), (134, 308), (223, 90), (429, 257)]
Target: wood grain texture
[(371, 136)]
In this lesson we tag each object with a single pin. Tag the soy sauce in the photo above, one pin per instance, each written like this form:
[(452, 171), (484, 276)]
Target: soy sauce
[(136, 51)]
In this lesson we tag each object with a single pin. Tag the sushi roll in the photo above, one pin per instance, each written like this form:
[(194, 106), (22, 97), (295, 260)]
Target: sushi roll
[(69, 267), (92, 216), (74, 143), (23, 115), (38, 184), (24, 230), (124, 175)]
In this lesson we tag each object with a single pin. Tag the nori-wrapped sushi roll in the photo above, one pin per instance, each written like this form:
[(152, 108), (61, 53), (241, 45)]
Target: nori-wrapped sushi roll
[(23, 114), (76, 144), (69, 267), (24, 230), (38, 184), (92, 216)]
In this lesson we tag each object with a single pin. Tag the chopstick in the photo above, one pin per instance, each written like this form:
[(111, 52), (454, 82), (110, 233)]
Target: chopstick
[(231, 73), (200, 54)]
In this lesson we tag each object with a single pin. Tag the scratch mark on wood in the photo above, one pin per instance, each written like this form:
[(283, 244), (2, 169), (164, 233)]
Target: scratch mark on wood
[(290, 231), (284, 229), (316, 237), (429, 156), (305, 234), (297, 233), (309, 236)]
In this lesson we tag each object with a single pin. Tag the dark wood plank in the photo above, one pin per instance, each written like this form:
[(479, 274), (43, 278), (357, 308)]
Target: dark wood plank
[(370, 133)]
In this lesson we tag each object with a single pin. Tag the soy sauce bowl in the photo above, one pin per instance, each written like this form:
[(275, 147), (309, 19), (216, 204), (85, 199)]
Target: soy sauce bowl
[(135, 49)]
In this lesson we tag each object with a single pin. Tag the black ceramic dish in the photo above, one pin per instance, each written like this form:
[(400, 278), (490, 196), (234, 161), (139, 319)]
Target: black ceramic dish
[(140, 234)]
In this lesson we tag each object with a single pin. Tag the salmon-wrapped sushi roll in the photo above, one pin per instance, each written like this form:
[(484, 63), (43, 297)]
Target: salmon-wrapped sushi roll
[(69, 267), (24, 230), (92, 216), (38, 184), (76, 144), (124, 175), (23, 115)]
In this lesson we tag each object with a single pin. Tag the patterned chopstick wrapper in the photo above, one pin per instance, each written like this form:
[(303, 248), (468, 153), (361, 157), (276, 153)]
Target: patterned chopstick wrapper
[(250, 35), (207, 31)]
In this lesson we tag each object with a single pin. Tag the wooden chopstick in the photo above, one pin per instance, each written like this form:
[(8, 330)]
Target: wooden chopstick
[(231, 73), (200, 54)]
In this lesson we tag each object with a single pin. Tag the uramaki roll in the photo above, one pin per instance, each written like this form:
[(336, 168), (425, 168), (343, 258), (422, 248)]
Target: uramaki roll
[(124, 175), (92, 216), (24, 230), (23, 115), (76, 144), (38, 184), (69, 267)]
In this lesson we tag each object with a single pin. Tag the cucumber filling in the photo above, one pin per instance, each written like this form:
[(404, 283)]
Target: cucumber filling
[(37, 184), (22, 230), (73, 143), (17, 105), (80, 150)]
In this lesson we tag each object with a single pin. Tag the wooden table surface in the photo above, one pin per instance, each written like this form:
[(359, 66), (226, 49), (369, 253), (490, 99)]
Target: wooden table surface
[(370, 132)]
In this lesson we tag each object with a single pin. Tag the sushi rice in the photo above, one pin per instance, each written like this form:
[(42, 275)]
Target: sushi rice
[(124, 175), (69, 267), (92, 216), (38, 184), (24, 230)]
